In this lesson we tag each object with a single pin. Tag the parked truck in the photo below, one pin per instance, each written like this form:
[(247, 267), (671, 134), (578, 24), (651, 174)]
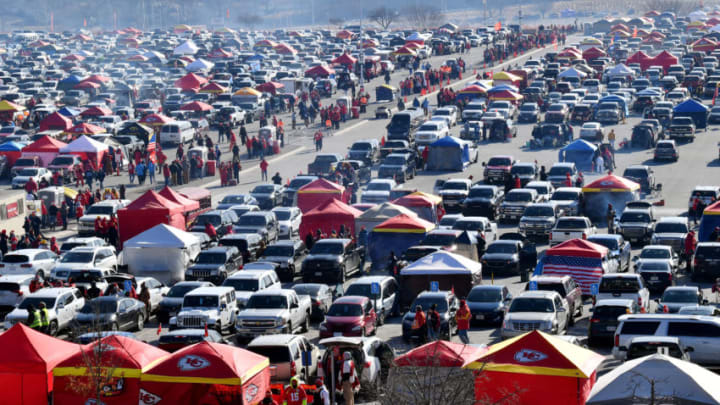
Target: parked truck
[(272, 312)]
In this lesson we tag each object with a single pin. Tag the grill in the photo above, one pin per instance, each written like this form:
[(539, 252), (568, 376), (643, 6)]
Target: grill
[(201, 273), (537, 228), (513, 210), (676, 244), (633, 232), (259, 324), (495, 264), (526, 326), (319, 266), (192, 321)]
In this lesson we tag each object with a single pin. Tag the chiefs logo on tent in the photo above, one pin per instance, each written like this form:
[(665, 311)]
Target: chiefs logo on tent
[(529, 356), (191, 363), (251, 392), (148, 398)]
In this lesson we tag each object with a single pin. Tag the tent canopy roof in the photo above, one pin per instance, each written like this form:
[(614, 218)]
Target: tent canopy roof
[(178, 198), (333, 207), (577, 247), (690, 106), (442, 263), (123, 352), (153, 200), (611, 183), (385, 210), (45, 144), (161, 235), (321, 186), (21, 346), (84, 144), (440, 354), (580, 145), (404, 223)]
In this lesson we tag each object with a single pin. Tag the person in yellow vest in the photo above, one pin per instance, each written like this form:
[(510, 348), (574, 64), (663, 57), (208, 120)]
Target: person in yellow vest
[(44, 318), (33, 319)]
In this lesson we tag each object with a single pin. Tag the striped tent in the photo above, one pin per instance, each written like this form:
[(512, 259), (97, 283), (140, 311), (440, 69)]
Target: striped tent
[(577, 258)]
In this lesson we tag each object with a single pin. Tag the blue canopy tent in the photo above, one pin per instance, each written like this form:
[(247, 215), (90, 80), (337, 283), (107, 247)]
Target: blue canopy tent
[(69, 112), (448, 154), (693, 109), (618, 99), (580, 152), (395, 235), (502, 87), (610, 189), (257, 56), (69, 82), (12, 146), (710, 220)]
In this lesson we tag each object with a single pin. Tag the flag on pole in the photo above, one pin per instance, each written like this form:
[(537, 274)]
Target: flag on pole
[(152, 148), (498, 26), (227, 13), (634, 32), (84, 22), (52, 22)]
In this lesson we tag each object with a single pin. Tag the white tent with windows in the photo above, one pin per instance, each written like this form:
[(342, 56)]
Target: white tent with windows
[(186, 48)]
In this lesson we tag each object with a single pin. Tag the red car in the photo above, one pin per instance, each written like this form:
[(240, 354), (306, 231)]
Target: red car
[(349, 316)]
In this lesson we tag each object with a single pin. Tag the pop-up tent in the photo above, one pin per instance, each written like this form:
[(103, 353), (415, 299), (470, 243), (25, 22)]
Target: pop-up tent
[(622, 70), (96, 111), (506, 78), (27, 358), (378, 214), (208, 373), (664, 59), (137, 129), (593, 53), (46, 148), (328, 218), (55, 122), (577, 258), (580, 152), (315, 193), (163, 252), (124, 357), (187, 204), (451, 271), (346, 60), (448, 154), (319, 71), (610, 189), (186, 48), (572, 72), (693, 109), (424, 205), (86, 148), (190, 81), (440, 353), (270, 87), (536, 368), (631, 383), (12, 151), (395, 235), (147, 211), (710, 220), (199, 65), (471, 92)]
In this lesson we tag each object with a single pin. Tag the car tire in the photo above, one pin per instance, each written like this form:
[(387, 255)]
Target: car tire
[(53, 328), (580, 311), (306, 324), (114, 327), (219, 327), (381, 318), (140, 322), (343, 275), (289, 328)]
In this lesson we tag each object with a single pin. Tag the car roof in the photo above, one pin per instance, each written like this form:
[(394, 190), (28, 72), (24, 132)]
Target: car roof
[(51, 292), (538, 294), (273, 340), (674, 219), (218, 249), (563, 164), (371, 279), (662, 339), (91, 249), (16, 278), (683, 288), (614, 302), (26, 252), (549, 279), (488, 287), (210, 291), (351, 299), (248, 275)]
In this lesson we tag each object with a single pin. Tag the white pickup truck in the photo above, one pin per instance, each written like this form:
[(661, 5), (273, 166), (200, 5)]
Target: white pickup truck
[(567, 228), (272, 312), (624, 286)]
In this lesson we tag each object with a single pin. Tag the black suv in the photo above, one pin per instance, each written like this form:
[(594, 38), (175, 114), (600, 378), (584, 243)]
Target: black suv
[(398, 166), (222, 220), (642, 175), (286, 253), (483, 201), (250, 245), (215, 265), (331, 260), (707, 260)]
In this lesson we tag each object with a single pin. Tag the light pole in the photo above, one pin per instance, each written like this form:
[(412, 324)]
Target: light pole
[(361, 56)]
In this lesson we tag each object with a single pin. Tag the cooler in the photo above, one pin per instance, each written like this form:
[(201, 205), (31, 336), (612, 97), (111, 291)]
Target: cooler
[(276, 147), (210, 165), (355, 112)]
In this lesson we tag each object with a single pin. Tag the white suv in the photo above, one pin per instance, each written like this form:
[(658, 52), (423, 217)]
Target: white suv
[(102, 209), (62, 304), (28, 261), (246, 282), (82, 258), (12, 291), (212, 306), (536, 310)]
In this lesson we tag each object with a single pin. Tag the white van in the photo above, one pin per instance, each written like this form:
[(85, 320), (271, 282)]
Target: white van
[(177, 132), (699, 333)]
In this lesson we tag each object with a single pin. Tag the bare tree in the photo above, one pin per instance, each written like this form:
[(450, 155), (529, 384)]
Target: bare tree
[(250, 20), (337, 21), (424, 16), (384, 16)]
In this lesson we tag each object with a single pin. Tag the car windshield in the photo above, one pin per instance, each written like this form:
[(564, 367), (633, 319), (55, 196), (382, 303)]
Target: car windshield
[(564, 196), (267, 302), (532, 305), (327, 249), (308, 289), (394, 160), (240, 284), (454, 185), (439, 239), (297, 183), (468, 225), (610, 243), (522, 170), (361, 146), (35, 301), (607, 312), (15, 258), (179, 291), (571, 224), (429, 127), (484, 295), (362, 290), (559, 171), (28, 172), (278, 250), (654, 266), (379, 186), (480, 193), (62, 161), (639, 173), (539, 212), (263, 189), (426, 302), (276, 354), (99, 210), (77, 257), (688, 296), (252, 220), (635, 217), (345, 310), (282, 215), (205, 301), (655, 254), (528, 107), (498, 161), (85, 276), (233, 199), (518, 197), (619, 284), (668, 227), (210, 258), (100, 307)]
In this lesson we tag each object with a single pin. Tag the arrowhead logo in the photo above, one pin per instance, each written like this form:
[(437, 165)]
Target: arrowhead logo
[(251, 392), (529, 356), (148, 398), (191, 363)]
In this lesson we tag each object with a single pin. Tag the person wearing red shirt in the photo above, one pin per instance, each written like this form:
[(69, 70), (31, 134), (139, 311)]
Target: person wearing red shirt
[(35, 284), (263, 169), (210, 231), (294, 394), (462, 316), (31, 187), (568, 180), (54, 246)]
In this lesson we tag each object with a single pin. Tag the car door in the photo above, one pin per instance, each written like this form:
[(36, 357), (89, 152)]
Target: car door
[(65, 310), (370, 317), (693, 335), (372, 372), (123, 314), (562, 316), (388, 296), (46, 261)]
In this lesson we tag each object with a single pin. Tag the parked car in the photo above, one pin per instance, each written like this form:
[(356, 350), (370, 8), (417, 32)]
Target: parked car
[(658, 275), (604, 319), (248, 282), (488, 303), (372, 356), (677, 297), (112, 313), (320, 295), (671, 231), (82, 258), (536, 310), (642, 346), (62, 303), (285, 353), (268, 196), (568, 290), (447, 305), (624, 286), (288, 254), (215, 264), (211, 307), (263, 223), (331, 260), (483, 200), (12, 291), (175, 340), (172, 302), (28, 261), (350, 315), (636, 225), (385, 301), (38, 174), (619, 250), (706, 262), (288, 219)]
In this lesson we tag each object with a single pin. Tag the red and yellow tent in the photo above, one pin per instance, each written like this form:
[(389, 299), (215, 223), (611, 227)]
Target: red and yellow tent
[(535, 368), (207, 373), (318, 192), (124, 357)]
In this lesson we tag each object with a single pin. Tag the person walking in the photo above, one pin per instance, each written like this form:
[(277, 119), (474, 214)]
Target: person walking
[(611, 139), (419, 325), (322, 395), (433, 320), (151, 171), (462, 318), (44, 318), (263, 169), (348, 378), (33, 319), (610, 216)]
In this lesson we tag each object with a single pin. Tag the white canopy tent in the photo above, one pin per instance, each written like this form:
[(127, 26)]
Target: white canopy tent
[(620, 70), (442, 263), (379, 214), (199, 65), (676, 382), (572, 72), (186, 48)]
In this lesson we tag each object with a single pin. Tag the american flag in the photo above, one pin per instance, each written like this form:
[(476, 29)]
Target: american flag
[(584, 270), (151, 148)]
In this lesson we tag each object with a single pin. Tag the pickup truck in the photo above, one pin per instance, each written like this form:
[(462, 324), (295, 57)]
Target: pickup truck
[(273, 312), (636, 225), (681, 128), (567, 228), (232, 114), (568, 290), (497, 169), (453, 192), (324, 164), (391, 146), (252, 110), (66, 163), (624, 286)]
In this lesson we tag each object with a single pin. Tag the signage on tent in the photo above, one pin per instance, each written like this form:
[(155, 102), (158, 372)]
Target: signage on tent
[(529, 356), (251, 392), (192, 362), (532, 286), (148, 398), (434, 286), (594, 289)]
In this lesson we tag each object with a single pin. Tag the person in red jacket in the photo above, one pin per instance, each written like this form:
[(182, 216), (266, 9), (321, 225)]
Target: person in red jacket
[(568, 180), (54, 246), (35, 284), (31, 187), (263, 169), (462, 317), (210, 231), (294, 394), (689, 248)]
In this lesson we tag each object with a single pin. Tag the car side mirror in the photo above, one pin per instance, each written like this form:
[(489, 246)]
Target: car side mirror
[(60, 305), (561, 309), (705, 302), (484, 164), (635, 258)]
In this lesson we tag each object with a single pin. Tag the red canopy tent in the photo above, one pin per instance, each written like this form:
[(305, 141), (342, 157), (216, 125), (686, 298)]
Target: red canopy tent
[(704, 45), (74, 57), (46, 148), (146, 211), (196, 106), (506, 95), (124, 357), (345, 59), (664, 59), (328, 217), (99, 79), (593, 53), (578, 248), (155, 120), (96, 111), (424, 205), (55, 122), (640, 57), (440, 353), (270, 87), (344, 34), (213, 88), (219, 54), (86, 129), (86, 86), (316, 193), (209, 374), (319, 71), (285, 49), (27, 358), (536, 368), (190, 81), (177, 198)]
